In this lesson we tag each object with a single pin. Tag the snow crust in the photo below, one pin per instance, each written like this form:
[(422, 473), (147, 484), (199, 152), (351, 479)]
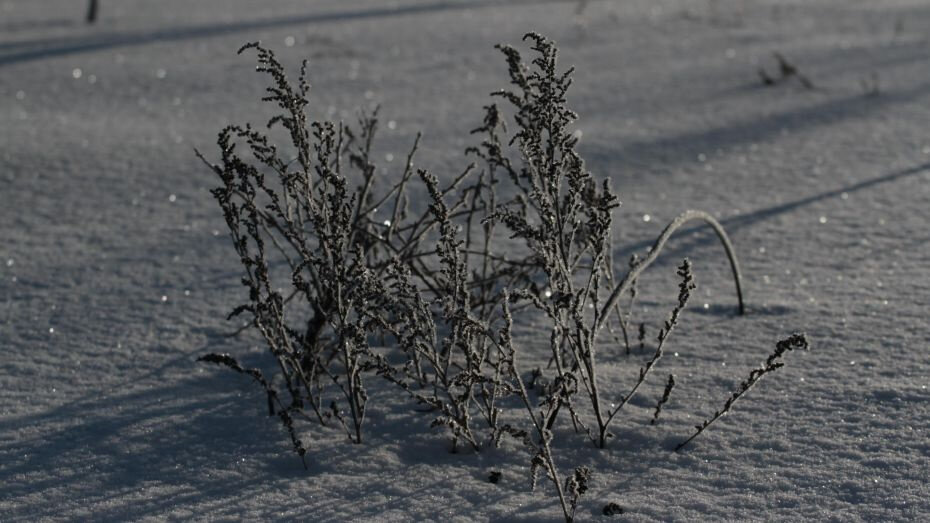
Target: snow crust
[(115, 272)]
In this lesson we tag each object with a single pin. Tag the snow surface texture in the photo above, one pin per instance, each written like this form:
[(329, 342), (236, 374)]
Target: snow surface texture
[(116, 271)]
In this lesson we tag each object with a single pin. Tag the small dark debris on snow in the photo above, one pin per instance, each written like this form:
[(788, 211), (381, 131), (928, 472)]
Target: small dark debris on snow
[(495, 477), (786, 71), (612, 509)]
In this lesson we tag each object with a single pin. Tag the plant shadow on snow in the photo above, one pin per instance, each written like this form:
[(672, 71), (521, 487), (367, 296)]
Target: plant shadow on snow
[(35, 25), (40, 49), (692, 238), (639, 158), (103, 447)]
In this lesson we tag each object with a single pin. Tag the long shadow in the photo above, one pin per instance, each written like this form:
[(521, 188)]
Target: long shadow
[(38, 49), (165, 433), (113, 440), (741, 221), (684, 147), (32, 25), (744, 220), (131, 435)]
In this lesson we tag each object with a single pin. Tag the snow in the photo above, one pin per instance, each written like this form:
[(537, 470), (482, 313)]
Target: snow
[(117, 272)]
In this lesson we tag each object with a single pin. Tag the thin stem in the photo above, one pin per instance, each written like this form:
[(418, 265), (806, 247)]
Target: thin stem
[(660, 242)]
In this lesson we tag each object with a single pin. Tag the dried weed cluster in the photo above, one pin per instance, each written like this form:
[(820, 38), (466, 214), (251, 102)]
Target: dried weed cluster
[(336, 260)]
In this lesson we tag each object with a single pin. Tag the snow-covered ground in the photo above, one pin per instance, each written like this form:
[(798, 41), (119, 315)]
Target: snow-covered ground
[(116, 272)]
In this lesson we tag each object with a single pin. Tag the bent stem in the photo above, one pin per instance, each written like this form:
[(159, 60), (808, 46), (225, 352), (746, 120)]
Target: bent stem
[(683, 218)]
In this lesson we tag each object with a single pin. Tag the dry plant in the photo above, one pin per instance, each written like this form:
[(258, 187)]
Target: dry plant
[(772, 363), (91, 16), (305, 220), (441, 326), (666, 394), (542, 422), (334, 259), (564, 215), (296, 223)]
